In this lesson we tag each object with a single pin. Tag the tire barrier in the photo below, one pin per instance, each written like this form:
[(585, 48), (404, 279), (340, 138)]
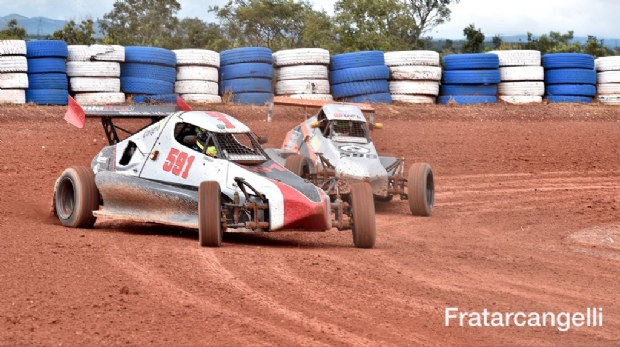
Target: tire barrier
[(197, 77), (148, 73), (360, 77), (522, 76), (569, 77), (13, 72), (302, 72), (608, 80), (158, 75), (47, 72), (246, 75), (414, 76), (470, 79), (95, 70)]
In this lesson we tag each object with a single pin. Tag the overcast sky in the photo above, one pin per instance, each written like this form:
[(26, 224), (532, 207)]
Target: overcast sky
[(584, 17)]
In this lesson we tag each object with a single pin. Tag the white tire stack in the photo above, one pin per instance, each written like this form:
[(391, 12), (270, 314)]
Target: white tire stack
[(414, 76), (522, 76), (302, 73), (608, 80), (94, 74), (197, 75), (13, 68)]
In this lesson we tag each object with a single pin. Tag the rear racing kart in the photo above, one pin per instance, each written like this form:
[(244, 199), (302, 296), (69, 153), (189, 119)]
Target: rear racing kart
[(333, 149)]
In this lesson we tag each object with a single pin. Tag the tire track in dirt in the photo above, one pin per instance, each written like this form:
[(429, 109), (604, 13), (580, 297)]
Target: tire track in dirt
[(173, 294), (211, 261)]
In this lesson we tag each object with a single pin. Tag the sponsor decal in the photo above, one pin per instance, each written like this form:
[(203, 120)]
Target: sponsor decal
[(354, 149)]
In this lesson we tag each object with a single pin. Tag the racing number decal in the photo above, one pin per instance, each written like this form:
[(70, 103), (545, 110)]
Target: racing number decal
[(178, 162), (222, 118)]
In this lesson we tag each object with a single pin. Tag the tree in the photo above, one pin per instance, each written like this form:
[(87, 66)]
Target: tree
[(74, 34), (276, 24), (497, 41), (194, 33), (141, 22), (425, 15), (319, 31), (371, 25), (13, 32), (448, 47), (595, 47), (475, 40)]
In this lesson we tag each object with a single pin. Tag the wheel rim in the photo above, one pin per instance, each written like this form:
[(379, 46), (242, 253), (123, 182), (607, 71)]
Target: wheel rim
[(65, 204)]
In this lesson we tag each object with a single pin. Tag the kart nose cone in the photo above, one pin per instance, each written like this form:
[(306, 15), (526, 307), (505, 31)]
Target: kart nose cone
[(352, 170)]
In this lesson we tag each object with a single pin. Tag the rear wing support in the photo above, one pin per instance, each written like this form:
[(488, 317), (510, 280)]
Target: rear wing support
[(286, 101)]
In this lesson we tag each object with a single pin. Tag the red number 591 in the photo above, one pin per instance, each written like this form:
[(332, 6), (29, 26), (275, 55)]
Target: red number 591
[(178, 162)]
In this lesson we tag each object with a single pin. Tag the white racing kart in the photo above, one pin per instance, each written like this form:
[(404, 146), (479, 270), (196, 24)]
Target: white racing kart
[(154, 175), (333, 149)]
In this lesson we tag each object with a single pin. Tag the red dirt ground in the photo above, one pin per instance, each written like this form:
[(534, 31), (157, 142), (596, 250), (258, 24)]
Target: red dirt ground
[(526, 219)]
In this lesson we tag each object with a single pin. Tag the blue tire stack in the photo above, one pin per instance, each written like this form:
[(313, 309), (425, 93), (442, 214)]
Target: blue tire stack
[(149, 74), (246, 75), (360, 77), (47, 72), (470, 79), (569, 77)]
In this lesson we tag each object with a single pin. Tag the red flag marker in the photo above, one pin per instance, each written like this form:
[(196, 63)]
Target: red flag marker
[(75, 114), (182, 105)]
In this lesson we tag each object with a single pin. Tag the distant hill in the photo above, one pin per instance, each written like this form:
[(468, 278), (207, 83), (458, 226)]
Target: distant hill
[(39, 26)]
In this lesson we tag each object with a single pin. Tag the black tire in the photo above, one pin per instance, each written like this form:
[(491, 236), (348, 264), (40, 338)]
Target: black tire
[(421, 189), (76, 197), (363, 215), (210, 231), (299, 165)]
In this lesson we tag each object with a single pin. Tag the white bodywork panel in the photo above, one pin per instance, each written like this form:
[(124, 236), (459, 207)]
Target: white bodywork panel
[(342, 112)]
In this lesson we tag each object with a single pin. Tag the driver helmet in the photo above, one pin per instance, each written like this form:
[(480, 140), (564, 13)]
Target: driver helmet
[(211, 151)]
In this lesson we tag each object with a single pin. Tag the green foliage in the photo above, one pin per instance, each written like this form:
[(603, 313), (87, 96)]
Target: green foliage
[(319, 31), (194, 33), (556, 42), (596, 48), (497, 41), (475, 40), (276, 24), (141, 22), (74, 34), (448, 47), (12, 31), (423, 16), (363, 25)]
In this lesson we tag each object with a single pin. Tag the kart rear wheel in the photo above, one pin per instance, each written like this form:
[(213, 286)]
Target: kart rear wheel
[(363, 215), (299, 165), (210, 231), (76, 197), (421, 189)]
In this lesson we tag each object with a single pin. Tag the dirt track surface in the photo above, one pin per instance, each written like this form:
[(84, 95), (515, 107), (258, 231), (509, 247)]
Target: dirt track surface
[(526, 219)]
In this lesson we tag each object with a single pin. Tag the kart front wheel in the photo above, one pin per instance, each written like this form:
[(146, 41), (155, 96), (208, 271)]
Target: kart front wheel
[(210, 229), (421, 189), (76, 197), (298, 164), (363, 215)]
